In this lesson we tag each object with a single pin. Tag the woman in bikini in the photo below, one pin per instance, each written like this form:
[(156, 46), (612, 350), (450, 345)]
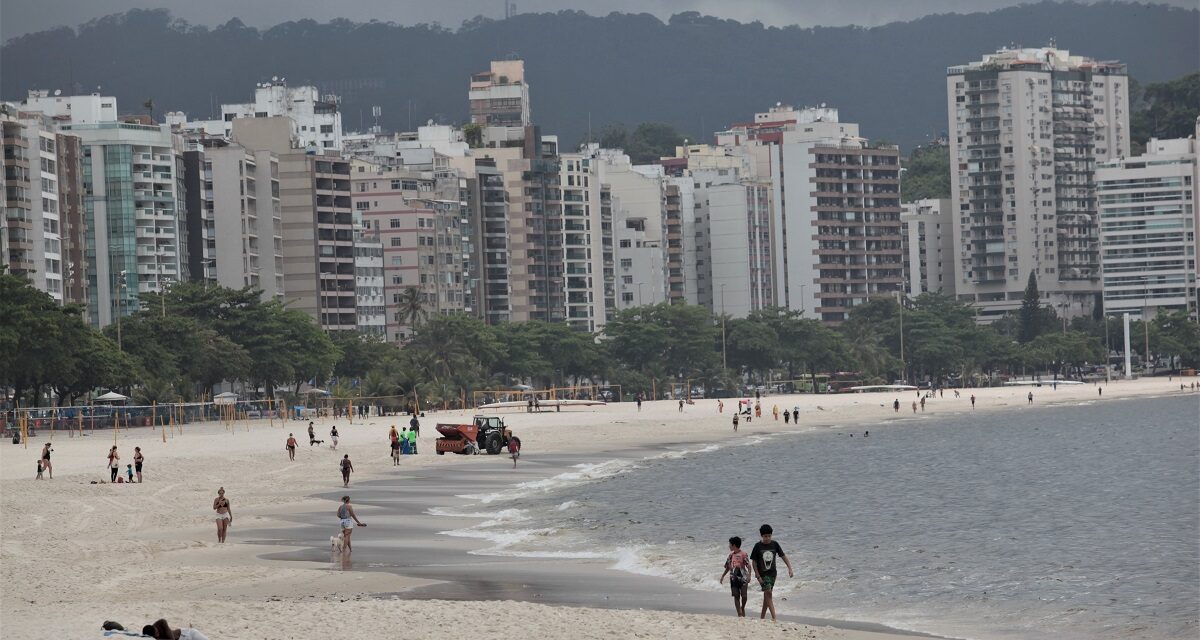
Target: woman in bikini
[(348, 519), (291, 447), (46, 460), (224, 514), (138, 459)]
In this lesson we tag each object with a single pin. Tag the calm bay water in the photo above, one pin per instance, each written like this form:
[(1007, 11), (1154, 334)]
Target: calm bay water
[(1069, 522)]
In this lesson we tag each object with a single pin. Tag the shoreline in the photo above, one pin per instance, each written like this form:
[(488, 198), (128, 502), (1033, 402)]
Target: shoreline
[(97, 552)]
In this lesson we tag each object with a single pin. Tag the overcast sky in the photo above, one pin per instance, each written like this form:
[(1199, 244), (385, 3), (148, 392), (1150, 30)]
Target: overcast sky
[(18, 17)]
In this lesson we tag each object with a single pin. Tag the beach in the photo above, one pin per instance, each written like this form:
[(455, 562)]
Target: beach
[(74, 554)]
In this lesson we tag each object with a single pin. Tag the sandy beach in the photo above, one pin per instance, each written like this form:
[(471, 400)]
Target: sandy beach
[(73, 554)]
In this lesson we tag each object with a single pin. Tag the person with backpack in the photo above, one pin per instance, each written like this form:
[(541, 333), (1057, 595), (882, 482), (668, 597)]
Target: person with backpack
[(737, 567), (514, 449)]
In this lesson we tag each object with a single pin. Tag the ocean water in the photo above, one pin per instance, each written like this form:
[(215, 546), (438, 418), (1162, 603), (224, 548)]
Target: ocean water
[(1073, 522)]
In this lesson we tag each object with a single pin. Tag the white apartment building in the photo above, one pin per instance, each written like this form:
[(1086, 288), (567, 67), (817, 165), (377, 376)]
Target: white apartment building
[(835, 208), (46, 234), (318, 120), (639, 204), (368, 283), (83, 109), (1148, 223), (1027, 128), (235, 225), (928, 228)]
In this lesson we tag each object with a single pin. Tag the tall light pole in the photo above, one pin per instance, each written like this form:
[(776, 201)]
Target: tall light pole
[(802, 302), (1107, 351), (640, 293), (120, 303), (724, 359), (903, 366)]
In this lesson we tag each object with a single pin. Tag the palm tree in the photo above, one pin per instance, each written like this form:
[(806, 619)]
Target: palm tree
[(412, 306)]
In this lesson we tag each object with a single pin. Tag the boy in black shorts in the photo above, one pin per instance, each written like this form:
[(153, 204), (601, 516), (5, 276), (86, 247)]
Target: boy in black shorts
[(764, 557), (737, 567)]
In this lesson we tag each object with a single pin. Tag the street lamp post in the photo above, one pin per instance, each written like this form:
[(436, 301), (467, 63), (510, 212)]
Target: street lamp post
[(120, 303), (903, 366), (639, 285), (724, 359)]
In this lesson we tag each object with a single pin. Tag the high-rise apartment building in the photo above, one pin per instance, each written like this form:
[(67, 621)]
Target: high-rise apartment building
[(235, 228), (317, 117), (1027, 128), (420, 221), (368, 282), (1148, 223), (928, 227), (317, 222), (134, 210), (835, 209), (499, 97)]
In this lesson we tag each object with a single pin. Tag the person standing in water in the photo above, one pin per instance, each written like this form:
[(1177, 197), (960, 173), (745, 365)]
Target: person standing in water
[(224, 514), (347, 518)]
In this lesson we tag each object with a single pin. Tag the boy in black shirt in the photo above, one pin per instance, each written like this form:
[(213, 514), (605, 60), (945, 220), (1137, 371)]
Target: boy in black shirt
[(763, 557)]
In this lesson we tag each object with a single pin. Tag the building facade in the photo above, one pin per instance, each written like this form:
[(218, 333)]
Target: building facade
[(317, 117), (1027, 127), (928, 228), (1148, 222), (235, 228), (317, 222), (499, 96)]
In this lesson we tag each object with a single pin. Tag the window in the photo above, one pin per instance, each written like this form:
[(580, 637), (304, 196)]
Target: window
[(326, 128), (396, 242), (362, 205), (397, 261), (394, 223), (626, 263), (397, 279), (624, 244), (627, 279), (627, 296)]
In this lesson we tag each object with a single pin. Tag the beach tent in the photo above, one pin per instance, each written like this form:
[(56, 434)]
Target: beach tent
[(228, 397), (112, 396)]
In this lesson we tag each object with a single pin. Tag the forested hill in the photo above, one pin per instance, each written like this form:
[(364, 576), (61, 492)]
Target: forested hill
[(697, 73)]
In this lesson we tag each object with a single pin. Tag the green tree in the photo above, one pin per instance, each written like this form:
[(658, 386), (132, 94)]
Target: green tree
[(925, 173), (645, 144), (1164, 110), (411, 307), (753, 345), (1033, 319)]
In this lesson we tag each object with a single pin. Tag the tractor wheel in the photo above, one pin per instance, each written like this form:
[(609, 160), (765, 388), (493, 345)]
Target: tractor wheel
[(469, 449), (493, 444)]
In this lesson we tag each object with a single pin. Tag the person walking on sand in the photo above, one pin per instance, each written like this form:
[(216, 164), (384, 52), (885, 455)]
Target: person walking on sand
[(757, 408), (395, 452), (720, 406), (972, 401), (914, 406), (312, 435), (347, 468), (681, 405), (735, 422), (896, 405), (1030, 397), (922, 404), (764, 557), (114, 462), (796, 414), (1100, 391), (393, 435), (639, 401), (787, 416), (291, 447), (224, 514), (775, 412), (46, 460), (737, 567), (138, 459), (347, 518), (333, 436)]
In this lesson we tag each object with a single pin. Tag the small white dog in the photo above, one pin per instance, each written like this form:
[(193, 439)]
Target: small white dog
[(336, 542)]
